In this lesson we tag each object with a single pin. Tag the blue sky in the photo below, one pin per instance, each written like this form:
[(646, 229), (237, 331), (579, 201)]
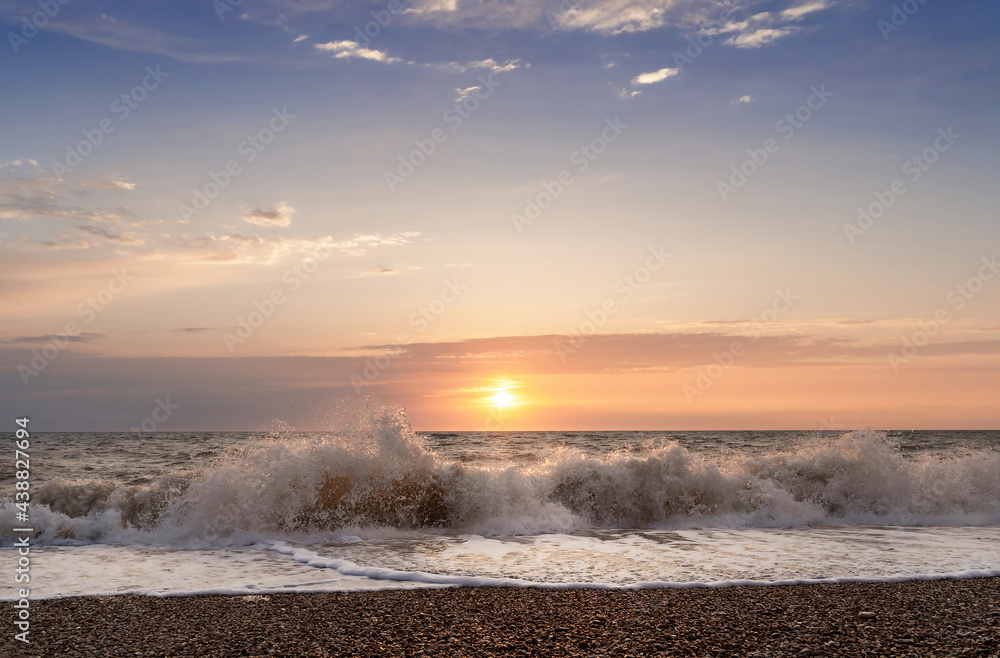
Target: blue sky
[(540, 89)]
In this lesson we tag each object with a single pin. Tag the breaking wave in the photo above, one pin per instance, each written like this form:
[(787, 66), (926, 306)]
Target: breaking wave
[(382, 476)]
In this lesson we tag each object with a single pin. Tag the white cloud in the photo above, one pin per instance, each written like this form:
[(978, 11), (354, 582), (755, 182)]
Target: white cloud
[(113, 185), (351, 50), (477, 14), (654, 76), (462, 94), (617, 16), (280, 215), (301, 37), (802, 10), (236, 248), (765, 28), (490, 65), (611, 16), (13, 164), (743, 99), (432, 6), (758, 38)]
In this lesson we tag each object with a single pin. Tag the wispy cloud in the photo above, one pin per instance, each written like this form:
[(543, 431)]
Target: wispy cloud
[(60, 242), (656, 352), (654, 76), (236, 248), (353, 50), (765, 28), (123, 34), (490, 65), (27, 192), (623, 16), (462, 94), (280, 215), (759, 37), (805, 8), (431, 6), (120, 238), (83, 337)]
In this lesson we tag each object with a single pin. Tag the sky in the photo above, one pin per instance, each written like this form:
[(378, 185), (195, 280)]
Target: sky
[(524, 215)]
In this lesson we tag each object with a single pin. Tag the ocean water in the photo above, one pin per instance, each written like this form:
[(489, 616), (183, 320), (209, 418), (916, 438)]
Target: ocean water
[(374, 505)]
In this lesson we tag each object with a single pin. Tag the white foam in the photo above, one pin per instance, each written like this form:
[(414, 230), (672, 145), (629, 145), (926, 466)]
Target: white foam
[(375, 508), (383, 477), (602, 560), (59, 572)]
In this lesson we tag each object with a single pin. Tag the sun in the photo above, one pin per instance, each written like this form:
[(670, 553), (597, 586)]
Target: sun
[(503, 399)]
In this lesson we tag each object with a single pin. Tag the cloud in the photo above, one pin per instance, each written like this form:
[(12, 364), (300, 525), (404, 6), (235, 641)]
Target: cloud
[(280, 215), (68, 242), (113, 185), (462, 14), (28, 192), (83, 337), (462, 94), (758, 38), (120, 238), (492, 66), (432, 6), (654, 76), (743, 99), (654, 352), (807, 8), (235, 248), (15, 164), (379, 271), (117, 25), (353, 50), (122, 34), (618, 16), (696, 16), (764, 28)]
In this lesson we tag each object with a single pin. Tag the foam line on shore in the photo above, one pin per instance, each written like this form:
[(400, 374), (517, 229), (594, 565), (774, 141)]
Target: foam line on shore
[(348, 568)]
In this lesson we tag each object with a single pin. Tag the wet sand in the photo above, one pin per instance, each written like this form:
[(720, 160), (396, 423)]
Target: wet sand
[(915, 618)]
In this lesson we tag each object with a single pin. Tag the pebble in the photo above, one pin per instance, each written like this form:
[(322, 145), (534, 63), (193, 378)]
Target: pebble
[(916, 618)]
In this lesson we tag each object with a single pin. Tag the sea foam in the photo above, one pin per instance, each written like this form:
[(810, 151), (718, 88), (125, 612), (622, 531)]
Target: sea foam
[(381, 477)]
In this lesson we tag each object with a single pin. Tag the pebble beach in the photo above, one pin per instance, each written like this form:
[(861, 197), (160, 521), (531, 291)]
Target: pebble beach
[(912, 618)]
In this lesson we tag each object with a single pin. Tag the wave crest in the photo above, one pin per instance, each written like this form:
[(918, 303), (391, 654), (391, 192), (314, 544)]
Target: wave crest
[(380, 474)]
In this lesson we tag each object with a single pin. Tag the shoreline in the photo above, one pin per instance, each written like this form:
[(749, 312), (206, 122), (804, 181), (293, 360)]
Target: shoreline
[(917, 617)]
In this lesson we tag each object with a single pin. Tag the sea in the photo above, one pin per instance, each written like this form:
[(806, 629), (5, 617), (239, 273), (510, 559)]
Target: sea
[(373, 505)]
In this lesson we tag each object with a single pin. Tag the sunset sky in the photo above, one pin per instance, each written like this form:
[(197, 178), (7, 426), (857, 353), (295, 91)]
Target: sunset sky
[(624, 214)]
